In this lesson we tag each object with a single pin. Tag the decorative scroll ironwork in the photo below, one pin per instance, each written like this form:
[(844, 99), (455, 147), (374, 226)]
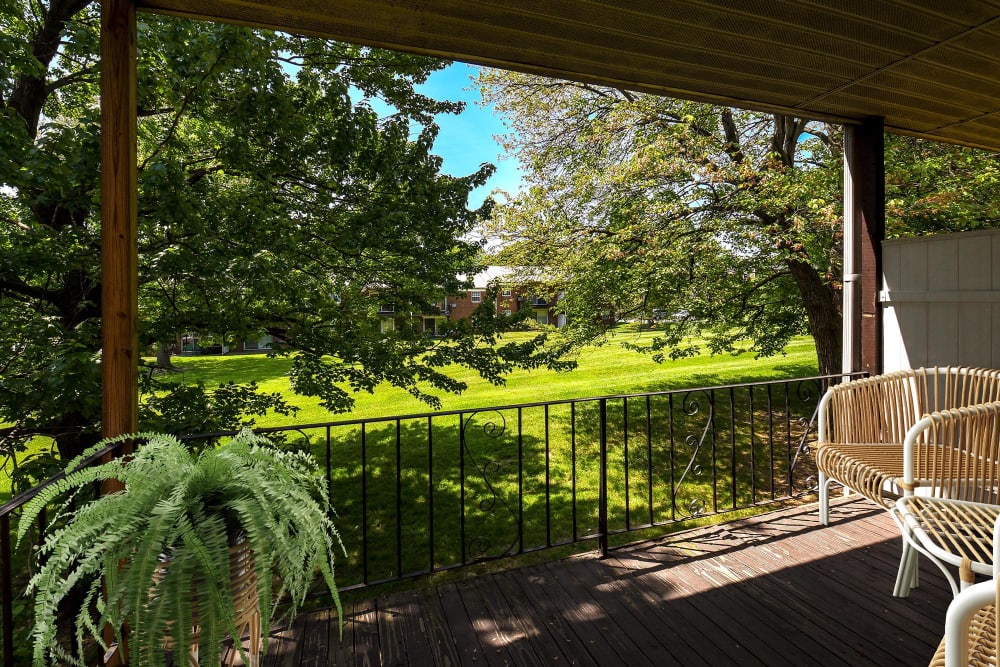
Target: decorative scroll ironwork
[(481, 547), (804, 448), (692, 407), (307, 441)]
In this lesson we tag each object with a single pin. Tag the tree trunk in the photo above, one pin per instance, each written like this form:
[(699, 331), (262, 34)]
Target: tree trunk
[(822, 304), (163, 356)]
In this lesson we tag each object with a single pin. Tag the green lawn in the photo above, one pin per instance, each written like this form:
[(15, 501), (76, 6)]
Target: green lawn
[(603, 370), (414, 495), (490, 468)]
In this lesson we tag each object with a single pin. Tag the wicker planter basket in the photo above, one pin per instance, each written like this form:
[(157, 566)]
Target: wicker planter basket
[(243, 580)]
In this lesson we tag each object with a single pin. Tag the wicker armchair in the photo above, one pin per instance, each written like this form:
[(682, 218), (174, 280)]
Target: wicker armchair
[(863, 423), (970, 630), (951, 477)]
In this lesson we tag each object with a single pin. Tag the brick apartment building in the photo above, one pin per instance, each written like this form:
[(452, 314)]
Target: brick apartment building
[(509, 299)]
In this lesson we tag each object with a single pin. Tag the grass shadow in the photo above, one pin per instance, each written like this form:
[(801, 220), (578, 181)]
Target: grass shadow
[(426, 494), (216, 370)]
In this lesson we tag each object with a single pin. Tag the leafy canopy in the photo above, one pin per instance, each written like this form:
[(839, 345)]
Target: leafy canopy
[(272, 199), (704, 221)]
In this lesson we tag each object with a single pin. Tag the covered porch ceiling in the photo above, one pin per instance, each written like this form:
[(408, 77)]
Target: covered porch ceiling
[(929, 68)]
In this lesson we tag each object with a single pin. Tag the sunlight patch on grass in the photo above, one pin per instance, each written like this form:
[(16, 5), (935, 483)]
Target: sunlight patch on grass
[(602, 370)]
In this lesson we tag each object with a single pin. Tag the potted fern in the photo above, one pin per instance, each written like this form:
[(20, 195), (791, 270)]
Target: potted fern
[(160, 554)]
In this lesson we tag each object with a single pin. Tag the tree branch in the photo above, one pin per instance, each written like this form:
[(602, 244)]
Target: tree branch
[(732, 133), (180, 113), (756, 287), (71, 78), (29, 95)]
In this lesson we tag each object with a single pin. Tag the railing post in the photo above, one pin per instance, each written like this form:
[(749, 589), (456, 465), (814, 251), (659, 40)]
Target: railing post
[(602, 492), (461, 486), (6, 578)]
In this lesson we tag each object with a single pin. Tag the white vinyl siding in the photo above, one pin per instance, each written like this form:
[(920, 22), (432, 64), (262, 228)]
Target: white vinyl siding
[(941, 300)]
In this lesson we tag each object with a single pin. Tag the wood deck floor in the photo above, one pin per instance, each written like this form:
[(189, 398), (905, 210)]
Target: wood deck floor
[(773, 590)]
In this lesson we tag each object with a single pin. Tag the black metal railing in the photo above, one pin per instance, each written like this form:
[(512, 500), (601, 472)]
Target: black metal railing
[(423, 493), (16, 566)]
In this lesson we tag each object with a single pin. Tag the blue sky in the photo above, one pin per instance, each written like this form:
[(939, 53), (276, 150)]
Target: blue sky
[(466, 140)]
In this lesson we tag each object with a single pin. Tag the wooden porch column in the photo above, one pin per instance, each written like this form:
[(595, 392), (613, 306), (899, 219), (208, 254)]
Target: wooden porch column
[(119, 274), (119, 252), (864, 230)]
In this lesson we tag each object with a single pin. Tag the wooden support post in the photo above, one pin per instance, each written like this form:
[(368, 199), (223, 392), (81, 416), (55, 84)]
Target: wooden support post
[(119, 273), (864, 231), (119, 252)]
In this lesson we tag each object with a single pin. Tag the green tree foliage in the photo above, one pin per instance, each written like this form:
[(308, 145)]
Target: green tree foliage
[(714, 218), (710, 221), (933, 187), (272, 198)]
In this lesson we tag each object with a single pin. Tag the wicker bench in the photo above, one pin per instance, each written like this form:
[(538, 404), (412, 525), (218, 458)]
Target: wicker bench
[(863, 423)]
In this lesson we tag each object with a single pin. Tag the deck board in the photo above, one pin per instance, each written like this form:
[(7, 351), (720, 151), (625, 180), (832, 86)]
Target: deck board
[(316, 641), (462, 630), (554, 640), (638, 643), (777, 589), (364, 633), (517, 633)]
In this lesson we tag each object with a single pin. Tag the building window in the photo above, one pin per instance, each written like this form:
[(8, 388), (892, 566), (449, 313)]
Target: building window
[(386, 308), (476, 297), (507, 312), (542, 317), (387, 324), (262, 343), (505, 291)]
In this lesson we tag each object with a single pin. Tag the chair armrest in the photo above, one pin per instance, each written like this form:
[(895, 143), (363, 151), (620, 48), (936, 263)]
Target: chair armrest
[(821, 426), (909, 444), (961, 611)]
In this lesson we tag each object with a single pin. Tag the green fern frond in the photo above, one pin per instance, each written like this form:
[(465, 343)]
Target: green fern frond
[(184, 507)]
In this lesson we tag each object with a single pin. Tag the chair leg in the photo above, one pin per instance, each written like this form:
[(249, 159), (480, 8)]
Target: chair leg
[(249, 626), (906, 577), (824, 499), (255, 639)]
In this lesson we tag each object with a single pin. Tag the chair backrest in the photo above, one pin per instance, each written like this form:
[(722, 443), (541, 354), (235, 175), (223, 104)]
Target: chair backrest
[(955, 453), (882, 408), (943, 388), (873, 409)]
